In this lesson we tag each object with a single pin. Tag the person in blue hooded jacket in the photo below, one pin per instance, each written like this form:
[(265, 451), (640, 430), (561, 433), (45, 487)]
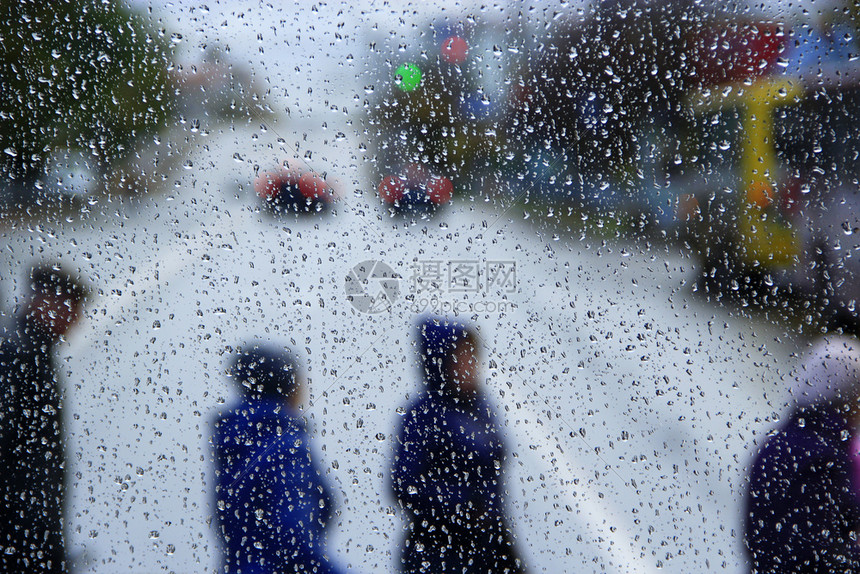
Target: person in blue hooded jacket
[(447, 465), (802, 507), (272, 505)]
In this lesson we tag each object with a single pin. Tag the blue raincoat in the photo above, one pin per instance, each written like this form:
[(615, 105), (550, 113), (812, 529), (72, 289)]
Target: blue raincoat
[(272, 504), (447, 472)]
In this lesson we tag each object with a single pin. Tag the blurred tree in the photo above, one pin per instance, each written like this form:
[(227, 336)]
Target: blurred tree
[(77, 74), (601, 81)]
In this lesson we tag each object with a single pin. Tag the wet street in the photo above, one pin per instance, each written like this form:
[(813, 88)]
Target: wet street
[(630, 406)]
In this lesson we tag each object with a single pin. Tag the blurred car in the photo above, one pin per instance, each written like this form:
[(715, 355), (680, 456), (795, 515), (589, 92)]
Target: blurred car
[(415, 189), (291, 190)]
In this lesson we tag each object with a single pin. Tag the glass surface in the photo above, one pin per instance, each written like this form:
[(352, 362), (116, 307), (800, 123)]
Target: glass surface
[(643, 212)]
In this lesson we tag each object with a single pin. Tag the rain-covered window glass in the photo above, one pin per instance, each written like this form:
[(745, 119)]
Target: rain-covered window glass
[(429, 287)]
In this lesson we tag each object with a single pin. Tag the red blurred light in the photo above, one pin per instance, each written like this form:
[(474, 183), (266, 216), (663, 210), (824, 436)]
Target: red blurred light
[(391, 189), (439, 190), (268, 185), (454, 50), (312, 186), (736, 52)]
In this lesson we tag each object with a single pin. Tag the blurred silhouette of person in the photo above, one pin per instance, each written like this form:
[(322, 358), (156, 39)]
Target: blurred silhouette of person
[(272, 504), (447, 467), (31, 425), (802, 509)]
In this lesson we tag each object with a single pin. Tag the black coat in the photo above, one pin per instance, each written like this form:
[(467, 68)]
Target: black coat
[(802, 506), (31, 454)]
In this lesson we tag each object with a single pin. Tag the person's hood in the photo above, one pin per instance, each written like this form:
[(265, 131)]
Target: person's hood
[(437, 339), (830, 373), (264, 371)]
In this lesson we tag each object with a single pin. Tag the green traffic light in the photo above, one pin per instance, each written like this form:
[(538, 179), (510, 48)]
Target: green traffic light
[(407, 77)]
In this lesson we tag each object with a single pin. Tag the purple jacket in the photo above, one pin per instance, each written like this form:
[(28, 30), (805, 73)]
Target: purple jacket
[(802, 508)]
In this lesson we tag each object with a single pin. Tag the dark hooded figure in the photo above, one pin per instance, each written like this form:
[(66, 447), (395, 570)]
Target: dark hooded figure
[(448, 461), (803, 510), (272, 504), (31, 426)]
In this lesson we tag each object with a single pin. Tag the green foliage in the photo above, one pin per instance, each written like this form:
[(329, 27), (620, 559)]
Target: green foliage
[(85, 74), (606, 79)]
